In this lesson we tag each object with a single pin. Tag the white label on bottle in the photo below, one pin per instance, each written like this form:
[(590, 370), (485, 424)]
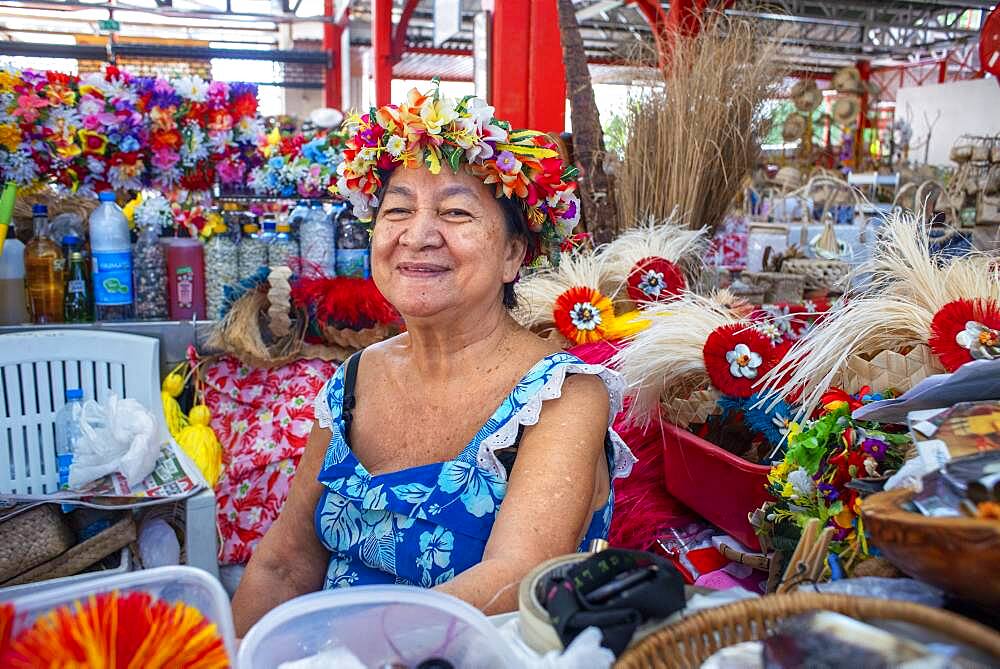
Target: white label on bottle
[(76, 286)]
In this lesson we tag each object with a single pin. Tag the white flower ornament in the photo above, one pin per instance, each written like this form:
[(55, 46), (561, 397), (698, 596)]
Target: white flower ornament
[(743, 362), (983, 343), (585, 316), (652, 283)]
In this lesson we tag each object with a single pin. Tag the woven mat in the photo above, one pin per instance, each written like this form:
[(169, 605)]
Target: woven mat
[(83, 555), (30, 536)]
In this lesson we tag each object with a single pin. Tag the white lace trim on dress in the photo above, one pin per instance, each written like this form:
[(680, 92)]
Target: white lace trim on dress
[(528, 415), (321, 405)]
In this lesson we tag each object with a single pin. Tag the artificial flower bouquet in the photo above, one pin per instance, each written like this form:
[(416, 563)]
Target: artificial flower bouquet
[(830, 464), (297, 164)]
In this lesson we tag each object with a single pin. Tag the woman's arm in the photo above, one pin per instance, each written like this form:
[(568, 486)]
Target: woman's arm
[(289, 561), (550, 496)]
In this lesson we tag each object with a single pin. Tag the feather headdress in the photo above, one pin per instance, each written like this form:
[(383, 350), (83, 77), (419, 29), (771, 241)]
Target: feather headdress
[(652, 262), (567, 299), (908, 288)]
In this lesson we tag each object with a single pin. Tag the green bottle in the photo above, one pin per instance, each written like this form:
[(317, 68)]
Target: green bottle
[(77, 307)]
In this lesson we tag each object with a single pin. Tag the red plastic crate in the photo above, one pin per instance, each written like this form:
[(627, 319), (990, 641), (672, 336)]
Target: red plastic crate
[(719, 486)]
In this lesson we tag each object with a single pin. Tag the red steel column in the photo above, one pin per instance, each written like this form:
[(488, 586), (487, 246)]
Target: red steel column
[(860, 148), (333, 84), (546, 91), (509, 60), (382, 50)]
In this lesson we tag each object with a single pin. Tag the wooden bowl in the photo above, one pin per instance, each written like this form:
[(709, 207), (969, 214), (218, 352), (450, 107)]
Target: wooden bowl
[(959, 555)]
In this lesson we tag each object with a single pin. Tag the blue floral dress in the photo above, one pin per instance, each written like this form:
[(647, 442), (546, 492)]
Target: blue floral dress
[(423, 525)]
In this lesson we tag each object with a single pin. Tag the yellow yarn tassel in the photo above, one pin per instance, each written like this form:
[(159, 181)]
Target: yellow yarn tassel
[(201, 445), (173, 386), (626, 325)]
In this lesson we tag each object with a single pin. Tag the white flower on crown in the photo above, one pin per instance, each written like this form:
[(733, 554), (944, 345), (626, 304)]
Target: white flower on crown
[(192, 88), (395, 146), (481, 112)]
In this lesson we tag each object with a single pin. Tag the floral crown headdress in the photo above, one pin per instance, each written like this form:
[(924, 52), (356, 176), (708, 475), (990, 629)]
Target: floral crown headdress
[(433, 130)]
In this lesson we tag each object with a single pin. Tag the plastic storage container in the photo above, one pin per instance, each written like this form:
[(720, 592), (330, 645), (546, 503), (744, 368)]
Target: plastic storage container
[(353, 257), (185, 278), (283, 247), (192, 586), (380, 625), (111, 248), (222, 268), (150, 274), (13, 310), (689, 462), (318, 239), (253, 250)]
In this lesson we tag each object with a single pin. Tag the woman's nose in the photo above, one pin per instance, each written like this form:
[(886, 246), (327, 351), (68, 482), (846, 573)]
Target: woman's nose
[(422, 230)]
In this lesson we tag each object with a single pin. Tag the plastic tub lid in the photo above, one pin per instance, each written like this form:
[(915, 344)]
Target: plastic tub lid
[(379, 624), (189, 585)]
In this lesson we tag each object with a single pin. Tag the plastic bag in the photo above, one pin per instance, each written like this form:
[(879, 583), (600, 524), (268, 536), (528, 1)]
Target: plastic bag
[(120, 435), (584, 652)]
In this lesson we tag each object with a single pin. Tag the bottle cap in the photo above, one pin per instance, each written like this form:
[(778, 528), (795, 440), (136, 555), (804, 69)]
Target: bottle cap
[(106, 196), (269, 224), (74, 394), (250, 227), (70, 240), (39, 210), (284, 227), (75, 255)]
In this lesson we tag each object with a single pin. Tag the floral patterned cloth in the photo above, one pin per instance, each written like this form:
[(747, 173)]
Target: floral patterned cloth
[(424, 525), (262, 418)]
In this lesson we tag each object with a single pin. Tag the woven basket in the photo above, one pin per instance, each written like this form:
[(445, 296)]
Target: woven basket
[(82, 555), (891, 369), (780, 287), (30, 536), (958, 555), (354, 340), (696, 408), (693, 640), (752, 293), (819, 274)]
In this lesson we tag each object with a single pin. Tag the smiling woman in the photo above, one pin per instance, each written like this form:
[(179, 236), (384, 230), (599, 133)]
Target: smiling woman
[(464, 452)]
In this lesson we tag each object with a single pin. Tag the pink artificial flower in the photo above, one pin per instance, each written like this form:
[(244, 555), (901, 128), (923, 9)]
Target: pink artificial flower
[(28, 106), (164, 158), (229, 171)]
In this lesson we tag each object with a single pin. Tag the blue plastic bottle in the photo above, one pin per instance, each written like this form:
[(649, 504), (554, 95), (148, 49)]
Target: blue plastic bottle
[(67, 433), (111, 248)]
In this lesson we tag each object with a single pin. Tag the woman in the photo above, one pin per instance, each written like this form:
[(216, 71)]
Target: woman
[(419, 439)]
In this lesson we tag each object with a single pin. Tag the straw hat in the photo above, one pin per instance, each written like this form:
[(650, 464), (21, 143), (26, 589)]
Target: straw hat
[(847, 80), (794, 127), (789, 178), (846, 110), (806, 95), (326, 117)]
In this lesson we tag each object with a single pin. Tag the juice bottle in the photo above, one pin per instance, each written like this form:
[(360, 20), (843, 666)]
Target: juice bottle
[(12, 306), (185, 278), (44, 272)]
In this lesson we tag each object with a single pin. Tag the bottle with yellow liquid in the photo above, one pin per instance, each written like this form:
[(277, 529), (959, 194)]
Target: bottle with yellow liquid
[(44, 272)]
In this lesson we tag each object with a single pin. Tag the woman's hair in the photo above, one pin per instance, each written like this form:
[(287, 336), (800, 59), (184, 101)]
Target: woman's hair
[(514, 220)]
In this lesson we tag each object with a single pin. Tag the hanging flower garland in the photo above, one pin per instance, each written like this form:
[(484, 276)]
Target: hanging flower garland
[(966, 330)]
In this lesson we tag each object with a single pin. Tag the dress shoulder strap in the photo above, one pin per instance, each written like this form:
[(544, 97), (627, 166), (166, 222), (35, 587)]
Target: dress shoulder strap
[(349, 401)]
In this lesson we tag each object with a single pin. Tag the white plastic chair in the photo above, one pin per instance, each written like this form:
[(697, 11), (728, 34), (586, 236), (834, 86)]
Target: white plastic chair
[(37, 367)]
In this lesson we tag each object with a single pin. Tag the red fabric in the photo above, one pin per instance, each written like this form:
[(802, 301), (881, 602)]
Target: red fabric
[(643, 507), (262, 418)]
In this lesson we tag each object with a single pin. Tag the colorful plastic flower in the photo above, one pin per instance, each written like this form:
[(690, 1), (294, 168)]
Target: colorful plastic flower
[(736, 356), (655, 279), (966, 330)]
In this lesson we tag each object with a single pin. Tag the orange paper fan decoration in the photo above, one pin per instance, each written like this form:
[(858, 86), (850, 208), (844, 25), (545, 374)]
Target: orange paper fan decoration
[(114, 631)]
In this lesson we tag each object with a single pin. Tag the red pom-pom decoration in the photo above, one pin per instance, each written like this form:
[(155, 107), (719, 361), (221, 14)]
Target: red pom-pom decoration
[(737, 356), (966, 330), (655, 279)]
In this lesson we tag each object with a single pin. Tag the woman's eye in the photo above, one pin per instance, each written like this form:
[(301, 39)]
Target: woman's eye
[(397, 211), (457, 213)]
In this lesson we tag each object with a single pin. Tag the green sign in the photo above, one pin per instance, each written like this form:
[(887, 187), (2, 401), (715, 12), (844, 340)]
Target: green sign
[(109, 26)]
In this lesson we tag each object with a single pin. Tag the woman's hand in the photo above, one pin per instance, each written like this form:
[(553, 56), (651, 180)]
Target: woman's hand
[(289, 561), (559, 476)]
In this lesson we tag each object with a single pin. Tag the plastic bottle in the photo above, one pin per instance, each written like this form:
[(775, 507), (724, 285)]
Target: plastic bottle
[(67, 433), (185, 278), (253, 250), (353, 257), (111, 248), (317, 238), (77, 305), (283, 246), (13, 310), (150, 274), (44, 271)]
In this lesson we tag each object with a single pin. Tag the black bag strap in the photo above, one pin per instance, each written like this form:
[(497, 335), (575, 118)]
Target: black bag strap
[(349, 401)]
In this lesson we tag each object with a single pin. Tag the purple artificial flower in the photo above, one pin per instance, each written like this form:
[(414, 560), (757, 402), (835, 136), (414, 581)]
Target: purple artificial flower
[(240, 88), (875, 448), (368, 137), (570, 210), (828, 491), (506, 162)]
